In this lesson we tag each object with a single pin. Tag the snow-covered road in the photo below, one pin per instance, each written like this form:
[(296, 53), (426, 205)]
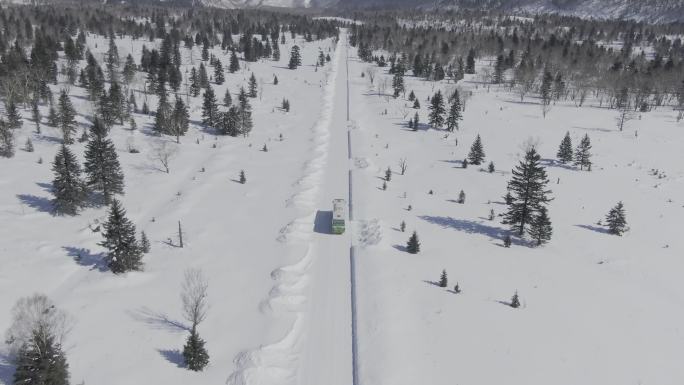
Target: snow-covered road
[(327, 355)]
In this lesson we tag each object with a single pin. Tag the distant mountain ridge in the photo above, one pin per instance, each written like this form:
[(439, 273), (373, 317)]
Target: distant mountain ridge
[(641, 10)]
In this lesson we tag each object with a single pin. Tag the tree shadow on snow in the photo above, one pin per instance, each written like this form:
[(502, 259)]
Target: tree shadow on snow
[(555, 163), (41, 204), (323, 222), (401, 248), (6, 369), (470, 227), (158, 321), (174, 356), (594, 228), (433, 283), (85, 257)]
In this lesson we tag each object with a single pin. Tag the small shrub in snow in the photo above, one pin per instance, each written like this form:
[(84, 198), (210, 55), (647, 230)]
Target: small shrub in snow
[(443, 281), (413, 245)]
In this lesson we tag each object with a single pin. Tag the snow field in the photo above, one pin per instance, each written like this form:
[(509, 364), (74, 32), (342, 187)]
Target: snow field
[(596, 308), (128, 329)]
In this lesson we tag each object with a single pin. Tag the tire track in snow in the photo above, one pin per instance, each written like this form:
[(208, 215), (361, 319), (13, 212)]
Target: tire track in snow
[(277, 363)]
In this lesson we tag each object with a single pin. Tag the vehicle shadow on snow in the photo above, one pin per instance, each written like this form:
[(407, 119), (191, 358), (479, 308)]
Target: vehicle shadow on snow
[(85, 257), (174, 356), (323, 222), (158, 320)]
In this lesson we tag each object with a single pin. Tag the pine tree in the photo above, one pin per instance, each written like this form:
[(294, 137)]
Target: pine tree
[(398, 83), (583, 153), (616, 219), (515, 301), (163, 116), (295, 58), (464, 163), (470, 62), (180, 119), (545, 89), (203, 78), (564, 154), (230, 122), (53, 117), (540, 228), (35, 112), (234, 65), (402, 226), (491, 167), (41, 361), (416, 122), (13, 116), (528, 186), (416, 104), (443, 281), (507, 241), (219, 78), (209, 108), (243, 178), (227, 98), (413, 245), (461, 197), (499, 68), (144, 243), (194, 83), (275, 80), (252, 86), (67, 186), (477, 154), (102, 166), (67, 117), (454, 113), (388, 174), (6, 140), (194, 353), (245, 113), (436, 116), (119, 233)]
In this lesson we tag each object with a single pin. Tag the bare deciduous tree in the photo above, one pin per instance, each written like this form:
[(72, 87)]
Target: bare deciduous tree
[(403, 165), (371, 71), (194, 297), (33, 313), (163, 153)]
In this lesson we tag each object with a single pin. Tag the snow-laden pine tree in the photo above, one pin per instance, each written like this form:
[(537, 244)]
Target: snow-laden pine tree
[(515, 301), (227, 98), (528, 192), (162, 119), (180, 119), (234, 65), (41, 361), (583, 153), (67, 186), (102, 166), (436, 115), (209, 108), (252, 86), (295, 58), (119, 238), (6, 140), (476, 155), (564, 153), (13, 116), (67, 117), (219, 77), (144, 243), (245, 113), (616, 220), (540, 229), (455, 114)]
